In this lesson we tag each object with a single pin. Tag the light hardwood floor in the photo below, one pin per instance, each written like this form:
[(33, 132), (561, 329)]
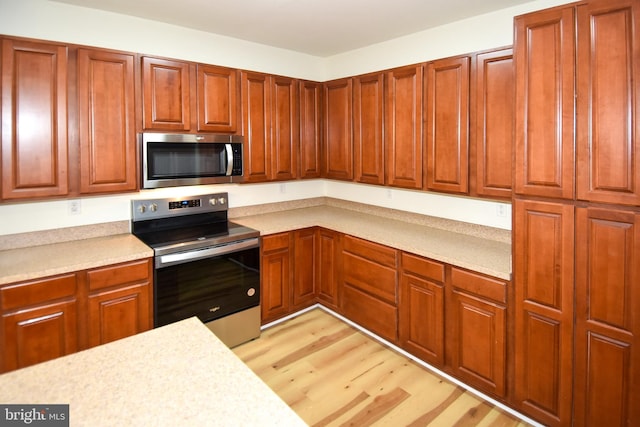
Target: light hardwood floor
[(332, 374)]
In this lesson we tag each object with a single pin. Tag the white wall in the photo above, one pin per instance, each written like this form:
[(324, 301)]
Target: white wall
[(47, 20)]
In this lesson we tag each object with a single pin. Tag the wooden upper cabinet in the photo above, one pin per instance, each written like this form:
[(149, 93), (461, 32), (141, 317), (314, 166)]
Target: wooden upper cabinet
[(607, 367), (608, 102), (285, 128), (166, 92), (492, 124), (218, 97), (106, 111), (544, 310), (447, 125), (310, 129), (34, 119), (403, 127), (545, 65), (338, 137), (256, 110), (368, 138)]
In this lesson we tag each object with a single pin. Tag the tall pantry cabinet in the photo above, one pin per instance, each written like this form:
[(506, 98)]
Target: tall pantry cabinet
[(576, 216)]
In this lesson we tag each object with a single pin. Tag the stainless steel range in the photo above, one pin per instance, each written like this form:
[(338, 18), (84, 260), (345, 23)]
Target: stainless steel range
[(205, 265)]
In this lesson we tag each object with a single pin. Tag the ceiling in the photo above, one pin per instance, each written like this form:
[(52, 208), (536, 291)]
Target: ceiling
[(315, 27)]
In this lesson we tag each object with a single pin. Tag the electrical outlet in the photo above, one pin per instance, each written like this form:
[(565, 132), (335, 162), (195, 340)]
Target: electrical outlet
[(389, 194), (283, 188), (74, 207), (501, 211)]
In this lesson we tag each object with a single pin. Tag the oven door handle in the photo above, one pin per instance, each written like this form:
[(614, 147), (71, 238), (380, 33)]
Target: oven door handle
[(210, 252)]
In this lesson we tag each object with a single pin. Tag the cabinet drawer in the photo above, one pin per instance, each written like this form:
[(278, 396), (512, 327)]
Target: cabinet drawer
[(370, 277), (275, 242), (370, 312), (118, 275), (38, 291), (374, 252), (480, 285), (422, 267)]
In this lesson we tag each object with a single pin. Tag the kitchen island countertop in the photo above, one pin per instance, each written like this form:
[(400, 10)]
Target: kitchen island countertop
[(177, 375)]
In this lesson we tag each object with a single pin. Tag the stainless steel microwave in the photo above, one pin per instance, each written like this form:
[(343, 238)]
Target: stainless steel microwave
[(171, 159)]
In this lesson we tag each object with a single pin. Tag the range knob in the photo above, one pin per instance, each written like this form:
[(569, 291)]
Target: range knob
[(142, 208), (222, 200), (153, 207), (213, 201)]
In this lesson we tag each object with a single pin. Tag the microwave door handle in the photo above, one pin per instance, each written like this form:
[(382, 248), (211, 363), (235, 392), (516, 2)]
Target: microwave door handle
[(182, 257), (229, 159)]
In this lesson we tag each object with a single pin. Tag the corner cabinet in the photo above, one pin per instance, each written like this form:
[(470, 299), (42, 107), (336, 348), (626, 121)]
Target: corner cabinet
[(311, 119), (34, 120), (106, 119)]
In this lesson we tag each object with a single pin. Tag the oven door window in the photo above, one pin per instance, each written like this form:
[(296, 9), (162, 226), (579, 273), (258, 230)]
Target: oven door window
[(210, 288), (185, 160)]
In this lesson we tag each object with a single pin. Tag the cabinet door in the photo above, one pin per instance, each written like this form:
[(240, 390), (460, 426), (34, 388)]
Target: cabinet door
[(368, 139), (120, 302), (608, 102), (275, 275), (338, 137), (607, 368), (477, 330), (447, 125), (106, 113), (34, 120), (544, 58), (256, 110), (118, 313), (421, 308), (544, 297), (285, 128), (39, 321), (327, 267), (218, 99), (310, 129), (493, 123), (403, 127), (305, 274), (166, 94)]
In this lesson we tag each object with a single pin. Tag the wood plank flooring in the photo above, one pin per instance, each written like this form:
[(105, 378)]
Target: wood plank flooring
[(332, 374)]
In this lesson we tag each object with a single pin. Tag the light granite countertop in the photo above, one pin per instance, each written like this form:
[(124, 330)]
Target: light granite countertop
[(57, 258), (177, 375), (469, 247)]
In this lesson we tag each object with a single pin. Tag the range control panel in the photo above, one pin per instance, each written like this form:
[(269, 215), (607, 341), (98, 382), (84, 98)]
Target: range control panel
[(168, 207)]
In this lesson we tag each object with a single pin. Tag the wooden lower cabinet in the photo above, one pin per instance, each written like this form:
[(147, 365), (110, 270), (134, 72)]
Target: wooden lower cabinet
[(298, 269), (305, 243), (328, 267), (477, 330), (421, 308), (276, 276), (120, 303), (39, 321), (607, 341), (369, 286), (47, 318)]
